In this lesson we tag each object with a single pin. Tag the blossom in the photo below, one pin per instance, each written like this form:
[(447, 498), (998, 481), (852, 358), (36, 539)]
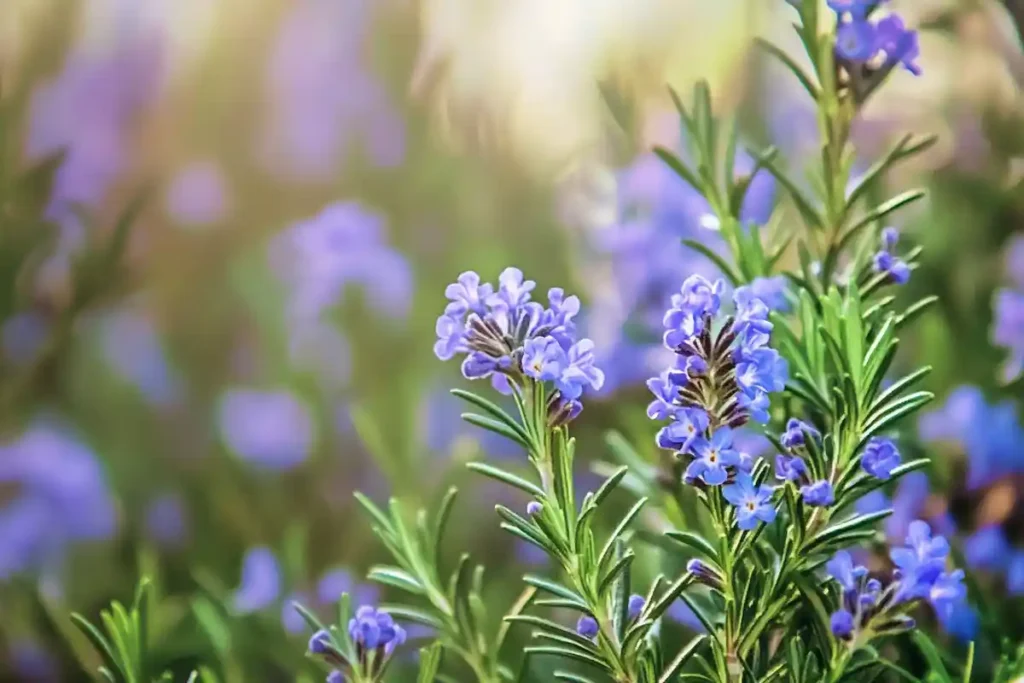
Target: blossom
[(858, 9), (790, 468), (880, 458), (506, 336), (712, 457), (320, 643), (197, 195), (269, 428), (635, 606), (887, 263), (921, 562), (166, 521), (841, 623), (987, 548), (796, 433), (371, 629), (261, 581), (726, 374), (59, 498), (818, 494), (753, 503), (842, 569), (1008, 330), (680, 434), (587, 626), (343, 246), (1015, 573), (533, 508), (856, 41)]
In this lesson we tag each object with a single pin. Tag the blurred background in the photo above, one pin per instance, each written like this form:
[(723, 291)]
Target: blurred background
[(227, 227)]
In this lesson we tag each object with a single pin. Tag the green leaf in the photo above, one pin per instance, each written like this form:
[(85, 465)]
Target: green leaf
[(932, 656), (680, 168), (494, 411), (837, 533), (681, 659), (568, 654), (497, 427), (556, 589), (619, 529), (734, 279), (694, 542), (507, 478), (398, 578)]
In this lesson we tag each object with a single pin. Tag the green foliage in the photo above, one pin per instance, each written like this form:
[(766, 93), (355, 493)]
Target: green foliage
[(123, 642)]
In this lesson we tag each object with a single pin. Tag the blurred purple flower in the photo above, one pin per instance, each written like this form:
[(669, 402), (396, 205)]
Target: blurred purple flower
[(641, 262), (530, 555), (1015, 261), (987, 549), (989, 434), (32, 663), (322, 95), (165, 520), (61, 497), (260, 584), (132, 347), (291, 620), (198, 195), (342, 245), (1015, 573), (23, 335), (271, 429)]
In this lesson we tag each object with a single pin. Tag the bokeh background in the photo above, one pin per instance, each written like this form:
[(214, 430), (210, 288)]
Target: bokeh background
[(301, 178)]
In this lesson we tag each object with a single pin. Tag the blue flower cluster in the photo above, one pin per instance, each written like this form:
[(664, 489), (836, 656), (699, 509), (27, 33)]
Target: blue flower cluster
[(793, 467), (510, 338), (920, 575), (372, 631), (1008, 331), (886, 262), (862, 41)]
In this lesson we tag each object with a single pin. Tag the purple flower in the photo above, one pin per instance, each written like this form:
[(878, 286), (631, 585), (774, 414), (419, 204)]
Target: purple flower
[(507, 336), (920, 563), (587, 626), (753, 503), (580, 371), (894, 268), (342, 246), (841, 623), (857, 40), (858, 9), (60, 498), (165, 520), (818, 494), (772, 291), (680, 434), (899, 44), (696, 300), (197, 196), (842, 569), (260, 586), (1015, 573), (1008, 331), (132, 346), (325, 101), (467, 294), (533, 508), (271, 429), (712, 458), (543, 359), (665, 388), (371, 628), (320, 643), (880, 458), (987, 549), (335, 677), (790, 468), (796, 432), (635, 606)]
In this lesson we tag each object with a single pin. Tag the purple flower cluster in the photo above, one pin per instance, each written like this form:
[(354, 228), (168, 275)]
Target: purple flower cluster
[(60, 498), (272, 429), (343, 245), (508, 337), (325, 100), (881, 43), (639, 261), (920, 575), (993, 452), (887, 263), (793, 467), (1008, 331), (880, 458), (373, 629), (262, 585)]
